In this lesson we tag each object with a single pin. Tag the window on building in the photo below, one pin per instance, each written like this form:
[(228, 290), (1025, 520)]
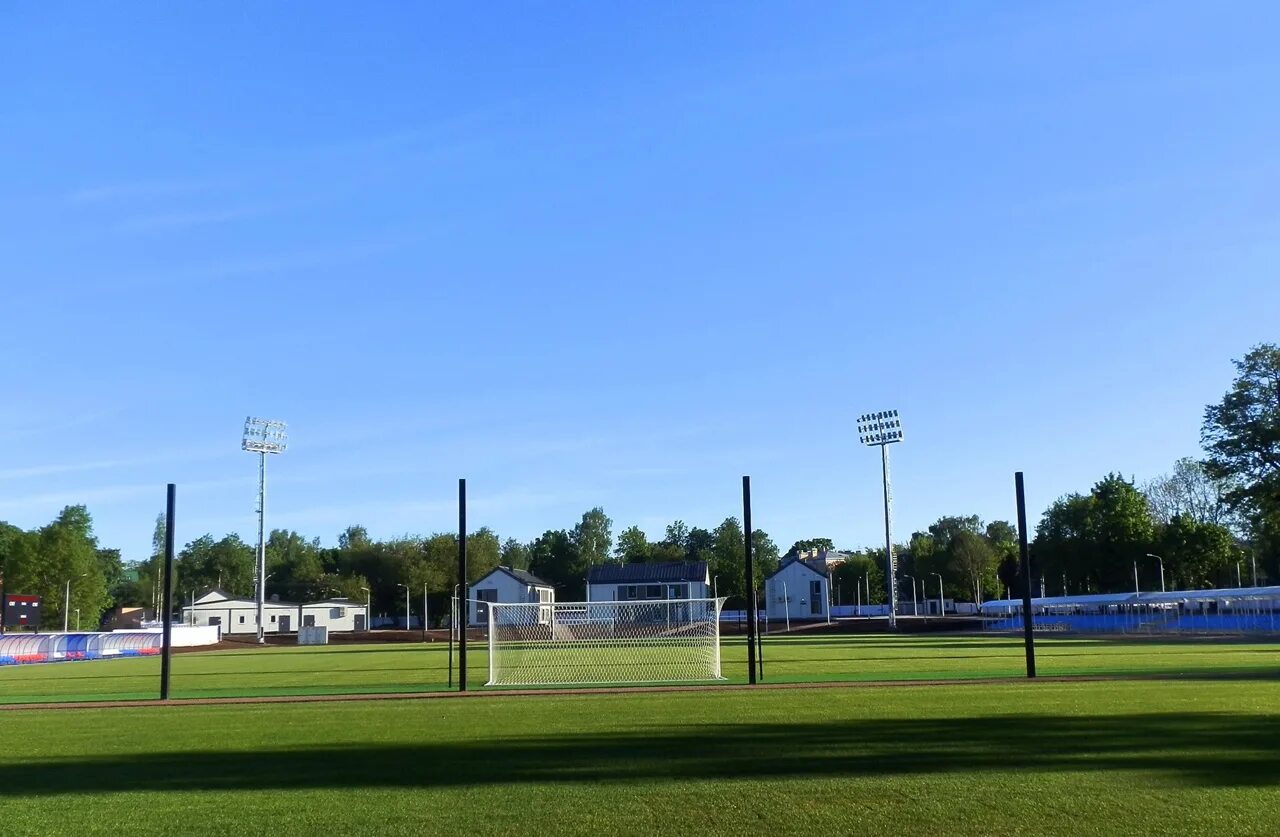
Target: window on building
[(337, 612), (653, 591), (815, 598), (241, 620), (273, 618), (677, 591)]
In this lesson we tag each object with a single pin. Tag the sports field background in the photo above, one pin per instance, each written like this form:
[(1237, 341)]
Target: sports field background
[(1098, 757), (390, 668)]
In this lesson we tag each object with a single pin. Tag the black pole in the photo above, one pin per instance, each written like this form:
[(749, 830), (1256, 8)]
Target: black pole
[(1025, 553), (167, 642), (462, 585), (760, 643), (751, 583)]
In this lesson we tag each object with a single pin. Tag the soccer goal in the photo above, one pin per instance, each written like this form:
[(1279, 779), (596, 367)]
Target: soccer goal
[(596, 643)]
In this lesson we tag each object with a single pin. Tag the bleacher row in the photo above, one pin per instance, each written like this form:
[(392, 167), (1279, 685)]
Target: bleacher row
[(16, 649), (1136, 623)]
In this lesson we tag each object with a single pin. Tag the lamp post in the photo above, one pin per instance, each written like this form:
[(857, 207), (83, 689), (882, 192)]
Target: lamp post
[(66, 603), (786, 603), (1161, 560), (425, 621), (1238, 574), (77, 619), (857, 588), (915, 610), (262, 436), (881, 430), (406, 605), (941, 608), (368, 609), (1135, 576)]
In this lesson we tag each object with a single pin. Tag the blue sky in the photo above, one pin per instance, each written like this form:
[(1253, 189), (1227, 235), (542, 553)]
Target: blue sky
[(622, 254)]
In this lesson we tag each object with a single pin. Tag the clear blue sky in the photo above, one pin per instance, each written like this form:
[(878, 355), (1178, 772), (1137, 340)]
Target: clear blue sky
[(622, 254)]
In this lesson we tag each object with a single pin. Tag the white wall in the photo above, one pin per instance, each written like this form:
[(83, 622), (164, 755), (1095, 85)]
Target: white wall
[(509, 591), (239, 616), (794, 579)]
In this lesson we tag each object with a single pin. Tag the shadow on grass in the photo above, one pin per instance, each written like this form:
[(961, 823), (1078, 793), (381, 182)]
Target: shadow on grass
[(1208, 749)]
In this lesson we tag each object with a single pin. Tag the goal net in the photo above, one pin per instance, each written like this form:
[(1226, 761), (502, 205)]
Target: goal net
[(587, 643)]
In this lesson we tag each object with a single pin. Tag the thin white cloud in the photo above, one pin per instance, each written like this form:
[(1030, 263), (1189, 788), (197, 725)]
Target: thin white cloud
[(177, 220), (136, 190)]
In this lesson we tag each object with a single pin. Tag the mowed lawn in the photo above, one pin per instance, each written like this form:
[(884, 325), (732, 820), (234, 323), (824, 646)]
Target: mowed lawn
[(1112, 757), (338, 669)]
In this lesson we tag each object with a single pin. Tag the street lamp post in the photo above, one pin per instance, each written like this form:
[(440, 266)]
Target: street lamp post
[(857, 588), (941, 608), (1135, 576), (66, 604), (262, 436), (425, 621), (786, 603), (368, 609), (1161, 560), (406, 605), (915, 609), (881, 430), (77, 619)]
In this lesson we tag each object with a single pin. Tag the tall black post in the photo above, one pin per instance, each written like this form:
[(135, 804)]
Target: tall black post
[(166, 652), (750, 596), (760, 644), (462, 585), (1028, 636)]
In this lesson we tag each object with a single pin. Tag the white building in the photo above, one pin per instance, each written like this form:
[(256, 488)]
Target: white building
[(798, 591), (615, 582), (505, 585), (238, 615)]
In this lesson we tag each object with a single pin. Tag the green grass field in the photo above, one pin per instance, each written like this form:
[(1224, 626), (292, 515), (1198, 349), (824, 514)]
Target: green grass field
[(1111, 757), (340, 669)]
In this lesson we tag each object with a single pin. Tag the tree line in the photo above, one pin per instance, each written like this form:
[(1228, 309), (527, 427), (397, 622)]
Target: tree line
[(1209, 521)]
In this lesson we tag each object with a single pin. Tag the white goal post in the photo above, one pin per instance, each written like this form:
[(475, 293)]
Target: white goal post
[(598, 643)]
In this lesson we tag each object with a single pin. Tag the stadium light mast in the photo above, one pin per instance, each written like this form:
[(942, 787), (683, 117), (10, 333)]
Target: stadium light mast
[(881, 430), (262, 436)]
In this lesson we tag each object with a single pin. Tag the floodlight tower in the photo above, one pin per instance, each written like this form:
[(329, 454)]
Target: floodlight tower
[(881, 430), (262, 436)]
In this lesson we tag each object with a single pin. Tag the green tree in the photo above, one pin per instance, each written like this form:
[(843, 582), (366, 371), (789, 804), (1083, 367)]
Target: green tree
[(727, 559), (972, 560), (1092, 540), (554, 557), (677, 535), (515, 554), (1195, 554), (593, 536), (632, 547), (859, 579), (1241, 437)]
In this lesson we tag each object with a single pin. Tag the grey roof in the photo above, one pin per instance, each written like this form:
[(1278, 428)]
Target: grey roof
[(522, 576), (668, 571), (807, 565)]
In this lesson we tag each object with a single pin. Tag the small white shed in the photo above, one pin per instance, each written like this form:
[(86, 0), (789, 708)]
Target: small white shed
[(798, 591), (506, 586), (239, 615)]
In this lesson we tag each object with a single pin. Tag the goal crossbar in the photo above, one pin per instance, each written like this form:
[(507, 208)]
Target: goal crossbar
[(601, 643)]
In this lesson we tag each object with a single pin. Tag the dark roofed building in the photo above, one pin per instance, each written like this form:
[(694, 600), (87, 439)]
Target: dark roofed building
[(647, 582)]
